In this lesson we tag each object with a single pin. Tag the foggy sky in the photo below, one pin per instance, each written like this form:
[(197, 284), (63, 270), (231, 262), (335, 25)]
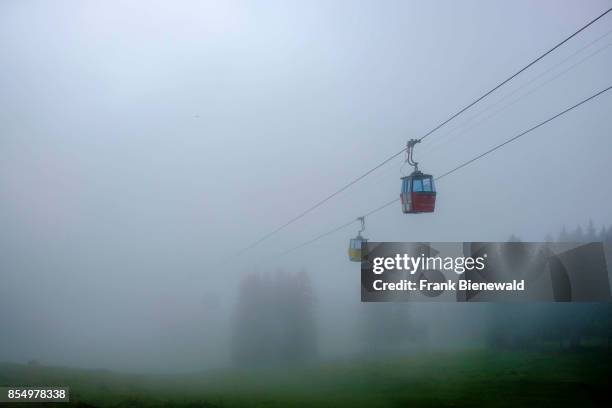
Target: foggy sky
[(142, 143)]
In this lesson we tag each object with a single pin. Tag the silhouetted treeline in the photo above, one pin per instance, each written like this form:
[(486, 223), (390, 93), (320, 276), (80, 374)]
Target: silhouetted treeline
[(568, 325), (274, 321), (590, 233)]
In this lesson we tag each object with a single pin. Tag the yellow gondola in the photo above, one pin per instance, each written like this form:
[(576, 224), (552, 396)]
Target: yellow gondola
[(355, 251)]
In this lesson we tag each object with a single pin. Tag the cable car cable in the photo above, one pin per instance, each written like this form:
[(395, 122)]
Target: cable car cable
[(499, 146), (458, 129), (318, 237), (505, 81), (320, 203), (356, 180), (524, 133)]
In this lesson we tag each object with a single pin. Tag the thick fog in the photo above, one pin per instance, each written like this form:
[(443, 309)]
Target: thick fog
[(144, 143)]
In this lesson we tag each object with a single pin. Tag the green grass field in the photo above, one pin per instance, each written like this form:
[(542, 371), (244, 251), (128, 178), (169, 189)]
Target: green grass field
[(453, 379)]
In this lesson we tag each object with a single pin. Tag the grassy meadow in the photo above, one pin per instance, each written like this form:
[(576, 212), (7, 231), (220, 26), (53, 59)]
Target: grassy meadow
[(440, 379)]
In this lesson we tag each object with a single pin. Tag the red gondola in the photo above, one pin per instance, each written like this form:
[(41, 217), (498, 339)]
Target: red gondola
[(418, 190), (418, 193)]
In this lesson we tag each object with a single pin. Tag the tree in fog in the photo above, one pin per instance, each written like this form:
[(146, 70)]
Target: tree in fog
[(274, 321), (578, 235), (499, 334), (606, 234), (591, 234), (297, 327), (563, 235), (602, 234), (249, 336)]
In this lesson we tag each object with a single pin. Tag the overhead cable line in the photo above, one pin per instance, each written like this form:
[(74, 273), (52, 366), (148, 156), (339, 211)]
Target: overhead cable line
[(525, 132), (517, 73), (387, 160), (472, 160), (440, 140)]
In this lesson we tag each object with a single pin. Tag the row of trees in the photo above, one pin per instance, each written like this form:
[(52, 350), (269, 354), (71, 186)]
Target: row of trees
[(567, 324), (275, 320), (587, 234)]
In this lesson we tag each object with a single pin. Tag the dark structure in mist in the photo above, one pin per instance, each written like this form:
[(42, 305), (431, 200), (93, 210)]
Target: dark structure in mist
[(274, 321)]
